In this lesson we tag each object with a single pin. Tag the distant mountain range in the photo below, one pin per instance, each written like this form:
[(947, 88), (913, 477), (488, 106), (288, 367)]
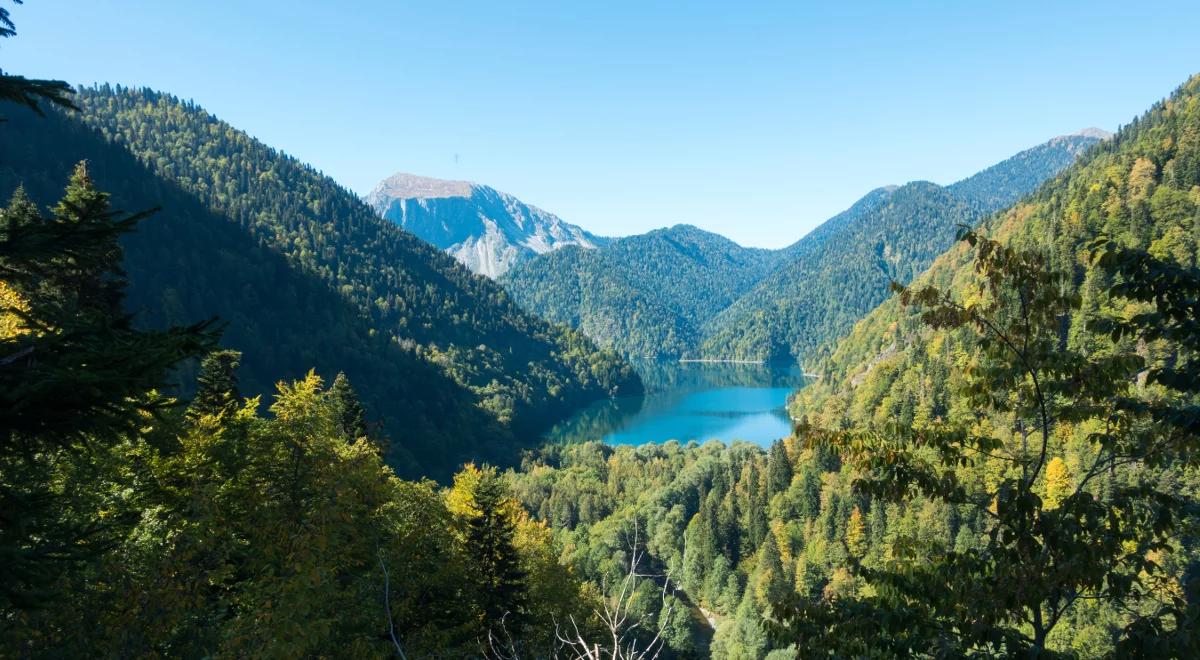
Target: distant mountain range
[(647, 295), (683, 292), (841, 270), (486, 230)]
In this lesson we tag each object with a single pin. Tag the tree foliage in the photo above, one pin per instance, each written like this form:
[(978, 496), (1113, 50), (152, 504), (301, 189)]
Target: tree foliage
[(75, 380)]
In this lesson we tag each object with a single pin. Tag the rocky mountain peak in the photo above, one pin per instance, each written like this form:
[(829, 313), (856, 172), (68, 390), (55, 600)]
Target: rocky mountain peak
[(411, 186), (487, 230)]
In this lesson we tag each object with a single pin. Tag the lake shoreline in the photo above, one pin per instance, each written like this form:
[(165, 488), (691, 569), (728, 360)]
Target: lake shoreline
[(692, 399)]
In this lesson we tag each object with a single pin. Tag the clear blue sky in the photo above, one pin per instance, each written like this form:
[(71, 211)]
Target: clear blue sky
[(757, 121)]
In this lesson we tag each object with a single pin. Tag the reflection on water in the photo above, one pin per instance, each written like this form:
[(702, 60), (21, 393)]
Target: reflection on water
[(691, 401)]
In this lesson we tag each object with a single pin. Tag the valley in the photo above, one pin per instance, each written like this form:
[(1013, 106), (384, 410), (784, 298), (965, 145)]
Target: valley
[(682, 292), (250, 410), (691, 402)]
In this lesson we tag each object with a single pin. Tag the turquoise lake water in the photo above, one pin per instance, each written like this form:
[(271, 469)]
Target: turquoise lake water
[(691, 401)]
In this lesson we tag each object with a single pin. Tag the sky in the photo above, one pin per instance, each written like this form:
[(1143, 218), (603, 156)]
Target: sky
[(754, 120)]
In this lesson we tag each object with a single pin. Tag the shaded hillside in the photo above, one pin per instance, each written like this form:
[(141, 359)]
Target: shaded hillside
[(307, 276)]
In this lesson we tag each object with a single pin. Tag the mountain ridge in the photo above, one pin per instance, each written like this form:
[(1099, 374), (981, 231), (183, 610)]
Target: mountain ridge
[(645, 295), (776, 305)]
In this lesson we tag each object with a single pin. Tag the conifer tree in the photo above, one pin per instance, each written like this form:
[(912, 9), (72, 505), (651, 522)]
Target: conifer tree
[(351, 417), (217, 385), (771, 584), (74, 379), (779, 469), (21, 211), (25, 91), (92, 282), (490, 534)]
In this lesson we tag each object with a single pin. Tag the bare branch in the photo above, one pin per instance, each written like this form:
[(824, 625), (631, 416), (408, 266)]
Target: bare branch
[(387, 605)]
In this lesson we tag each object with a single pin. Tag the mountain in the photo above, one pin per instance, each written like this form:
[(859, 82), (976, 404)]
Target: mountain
[(1141, 187), (1000, 185), (307, 276), (487, 230), (1110, 375), (840, 271), (682, 292), (645, 295)]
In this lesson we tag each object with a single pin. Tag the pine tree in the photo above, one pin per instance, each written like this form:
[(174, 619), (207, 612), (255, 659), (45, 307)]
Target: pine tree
[(351, 417), (502, 580), (21, 211), (697, 549), (770, 581), (217, 385), (810, 492), (779, 469), (74, 379), (91, 282)]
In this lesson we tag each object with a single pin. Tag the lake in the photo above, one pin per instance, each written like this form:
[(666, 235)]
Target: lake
[(691, 401)]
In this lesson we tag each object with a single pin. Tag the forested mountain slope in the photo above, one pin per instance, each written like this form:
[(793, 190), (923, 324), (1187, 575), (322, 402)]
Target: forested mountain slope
[(645, 295), (840, 274), (1002, 184), (681, 292), (307, 275), (841, 270), (1043, 372), (1140, 187), (485, 229)]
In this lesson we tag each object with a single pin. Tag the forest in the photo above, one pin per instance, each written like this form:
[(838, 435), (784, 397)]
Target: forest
[(244, 417), (841, 270), (642, 296)]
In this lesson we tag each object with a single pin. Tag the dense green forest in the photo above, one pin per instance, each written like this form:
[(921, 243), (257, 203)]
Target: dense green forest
[(681, 292), (644, 296), (1001, 460), (832, 277), (304, 275)]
